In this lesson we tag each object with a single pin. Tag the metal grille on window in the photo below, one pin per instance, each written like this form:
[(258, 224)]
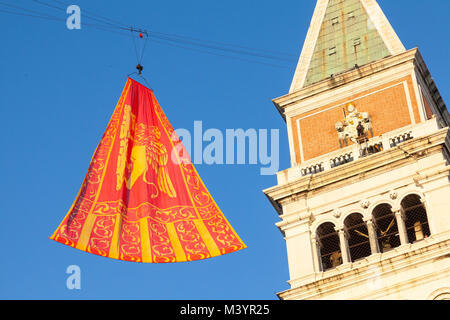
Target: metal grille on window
[(358, 237), (387, 229), (330, 250), (416, 220)]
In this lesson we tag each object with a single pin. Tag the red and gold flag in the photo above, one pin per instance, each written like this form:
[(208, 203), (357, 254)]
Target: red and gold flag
[(142, 199)]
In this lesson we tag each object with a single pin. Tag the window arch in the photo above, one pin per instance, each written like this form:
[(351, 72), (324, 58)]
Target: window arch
[(440, 294), (358, 237), (443, 296), (330, 250), (416, 220), (386, 227)]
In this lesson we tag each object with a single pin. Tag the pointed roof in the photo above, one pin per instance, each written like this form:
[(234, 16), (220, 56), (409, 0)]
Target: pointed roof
[(342, 34)]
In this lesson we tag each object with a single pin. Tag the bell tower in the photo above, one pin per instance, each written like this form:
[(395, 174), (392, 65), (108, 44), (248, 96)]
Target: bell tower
[(365, 207)]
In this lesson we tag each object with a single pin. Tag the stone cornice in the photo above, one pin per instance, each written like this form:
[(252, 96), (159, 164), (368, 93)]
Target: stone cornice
[(386, 160), (422, 69), (342, 79)]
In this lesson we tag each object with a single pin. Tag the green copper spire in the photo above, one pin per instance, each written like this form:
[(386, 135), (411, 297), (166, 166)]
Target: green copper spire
[(347, 37)]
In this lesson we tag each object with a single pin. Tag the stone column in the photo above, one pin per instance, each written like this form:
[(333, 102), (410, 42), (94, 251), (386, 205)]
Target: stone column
[(344, 246), (356, 151), (299, 249), (372, 236), (327, 165), (401, 226), (316, 256), (386, 142)]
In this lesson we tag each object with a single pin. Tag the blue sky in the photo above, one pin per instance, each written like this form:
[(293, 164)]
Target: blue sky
[(58, 89)]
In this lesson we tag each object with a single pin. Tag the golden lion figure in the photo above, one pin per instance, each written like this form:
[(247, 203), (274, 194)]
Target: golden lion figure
[(147, 151)]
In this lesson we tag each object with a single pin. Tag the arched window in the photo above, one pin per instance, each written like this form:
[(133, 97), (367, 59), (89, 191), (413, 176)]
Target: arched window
[(358, 237), (416, 220), (330, 250), (440, 294), (387, 229)]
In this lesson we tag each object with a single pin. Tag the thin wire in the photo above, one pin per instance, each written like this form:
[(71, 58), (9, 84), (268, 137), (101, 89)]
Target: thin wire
[(220, 55), (28, 10), (38, 14), (29, 15), (87, 16), (141, 76), (108, 27), (135, 47), (143, 49), (224, 49), (60, 19), (96, 15), (191, 40), (223, 43), (103, 28), (148, 84)]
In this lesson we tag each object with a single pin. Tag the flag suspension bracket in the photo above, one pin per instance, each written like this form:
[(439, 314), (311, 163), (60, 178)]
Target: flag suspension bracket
[(139, 68), (143, 34)]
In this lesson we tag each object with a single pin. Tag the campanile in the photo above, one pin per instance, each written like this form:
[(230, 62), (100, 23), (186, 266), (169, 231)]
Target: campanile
[(365, 206)]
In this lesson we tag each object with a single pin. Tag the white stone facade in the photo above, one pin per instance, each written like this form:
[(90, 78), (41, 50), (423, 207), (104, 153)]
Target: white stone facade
[(414, 161), (411, 271)]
